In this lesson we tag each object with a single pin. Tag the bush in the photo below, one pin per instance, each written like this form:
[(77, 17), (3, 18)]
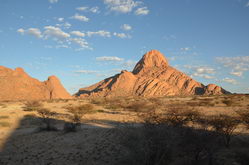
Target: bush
[(177, 115), (32, 106), (147, 145), (225, 126), (46, 117), (76, 115), (244, 117), (227, 102), (98, 101), (141, 106)]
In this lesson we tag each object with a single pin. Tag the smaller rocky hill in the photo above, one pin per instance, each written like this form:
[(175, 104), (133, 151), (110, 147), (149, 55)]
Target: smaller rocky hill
[(18, 85)]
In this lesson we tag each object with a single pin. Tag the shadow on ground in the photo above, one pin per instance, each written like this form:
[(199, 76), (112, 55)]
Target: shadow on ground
[(107, 142)]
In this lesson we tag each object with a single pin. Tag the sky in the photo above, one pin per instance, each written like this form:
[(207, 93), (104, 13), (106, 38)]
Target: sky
[(85, 41)]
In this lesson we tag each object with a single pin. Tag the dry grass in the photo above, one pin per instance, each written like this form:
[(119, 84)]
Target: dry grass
[(4, 117), (4, 124), (166, 130), (32, 106)]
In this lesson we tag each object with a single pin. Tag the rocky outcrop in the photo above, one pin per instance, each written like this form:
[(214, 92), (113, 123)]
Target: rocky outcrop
[(18, 85), (56, 89), (152, 76)]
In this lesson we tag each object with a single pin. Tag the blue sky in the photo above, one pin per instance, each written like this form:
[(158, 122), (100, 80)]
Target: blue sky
[(85, 41)]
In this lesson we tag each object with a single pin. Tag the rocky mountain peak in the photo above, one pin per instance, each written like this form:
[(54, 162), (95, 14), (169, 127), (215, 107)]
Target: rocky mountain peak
[(153, 58)]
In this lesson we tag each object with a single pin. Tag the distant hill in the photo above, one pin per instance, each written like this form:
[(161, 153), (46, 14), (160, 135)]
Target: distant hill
[(18, 85), (152, 76)]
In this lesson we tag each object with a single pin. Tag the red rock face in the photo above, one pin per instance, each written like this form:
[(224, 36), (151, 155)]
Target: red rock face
[(152, 76), (18, 85)]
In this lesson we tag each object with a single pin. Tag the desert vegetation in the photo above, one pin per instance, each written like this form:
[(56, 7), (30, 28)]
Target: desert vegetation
[(183, 135), (32, 105), (76, 115), (128, 130), (46, 116)]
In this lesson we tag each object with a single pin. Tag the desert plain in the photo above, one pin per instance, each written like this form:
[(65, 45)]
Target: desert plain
[(120, 131)]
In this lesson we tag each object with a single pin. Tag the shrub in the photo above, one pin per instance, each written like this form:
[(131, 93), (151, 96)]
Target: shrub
[(147, 145), (177, 115), (141, 106), (244, 117), (225, 126), (46, 117), (98, 101), (32, 106), (227, 102), (76, 115), (198, 144)]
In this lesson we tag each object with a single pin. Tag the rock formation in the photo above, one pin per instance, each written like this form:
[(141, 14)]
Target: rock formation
[(18, 85), (152, 76)]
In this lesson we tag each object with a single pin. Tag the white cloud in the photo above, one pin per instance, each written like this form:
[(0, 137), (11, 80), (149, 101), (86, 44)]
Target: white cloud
[(142, 11), (65, 25), (230, 81), (53, 1), (60, 19), (238, 73), (101, 33), (61, 46), (238, 65), (247, 5), (185, 49), (85, 72), (55, 32), (34, 32), (63, 39), (208, 77), (204, 70), (21, 30), (122, 6), (80, 18), (87, 9), (126, 27), (83, 8), (205, 76), (31, 31), (129, 64), (109, 58), (77, 33), (121, 35), (94, 9), (81, 42), (201, 71)]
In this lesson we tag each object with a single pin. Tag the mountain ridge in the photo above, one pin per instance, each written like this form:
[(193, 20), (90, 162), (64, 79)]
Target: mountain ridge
[(151, 76)]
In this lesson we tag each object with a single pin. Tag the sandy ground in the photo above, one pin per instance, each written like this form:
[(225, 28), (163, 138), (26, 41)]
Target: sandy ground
[(96, 142)]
